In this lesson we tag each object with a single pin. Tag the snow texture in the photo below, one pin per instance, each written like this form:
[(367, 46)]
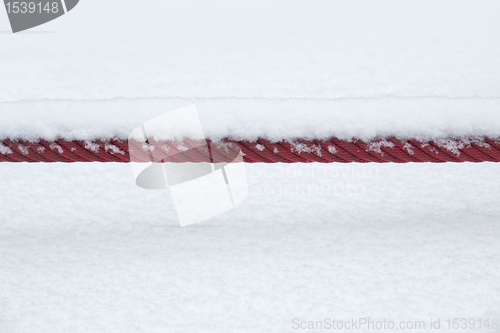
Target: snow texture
[(82, 249), (273, 69), (248, 119)]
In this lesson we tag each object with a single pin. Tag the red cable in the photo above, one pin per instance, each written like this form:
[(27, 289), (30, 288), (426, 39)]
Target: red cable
[(262, 151)]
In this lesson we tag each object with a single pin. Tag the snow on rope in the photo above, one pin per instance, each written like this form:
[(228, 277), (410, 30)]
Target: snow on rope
[(394, 150)]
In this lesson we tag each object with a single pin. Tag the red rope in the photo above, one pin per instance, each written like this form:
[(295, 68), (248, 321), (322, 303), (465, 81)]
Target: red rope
[(263, 151)]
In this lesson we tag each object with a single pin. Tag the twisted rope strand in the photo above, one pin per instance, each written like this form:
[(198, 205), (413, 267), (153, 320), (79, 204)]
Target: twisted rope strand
[(389, 150)]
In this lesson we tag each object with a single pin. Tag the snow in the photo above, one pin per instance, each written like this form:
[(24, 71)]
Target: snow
[(85, 250), (376, 146), (273, 119), (260, 48), (271, 69)]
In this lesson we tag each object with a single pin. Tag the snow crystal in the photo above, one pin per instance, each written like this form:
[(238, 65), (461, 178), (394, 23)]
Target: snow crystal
[(304, 148), (332, 149), (260, 147), (5, 150), (222, 144), (148, 147), (477, 141), (56, 146), (182, 148), (376, 146), (409, 148), (114, 149), (24, 150), (452, 145), (92, 146)]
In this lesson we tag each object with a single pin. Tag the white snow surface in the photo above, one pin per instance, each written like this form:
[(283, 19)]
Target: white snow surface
[(82, 249), (273, 69), (248, 119)]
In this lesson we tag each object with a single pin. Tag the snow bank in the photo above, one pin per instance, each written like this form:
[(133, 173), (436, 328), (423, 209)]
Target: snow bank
[(85, 250), (259, 48), (251, 118), (274, 69)]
